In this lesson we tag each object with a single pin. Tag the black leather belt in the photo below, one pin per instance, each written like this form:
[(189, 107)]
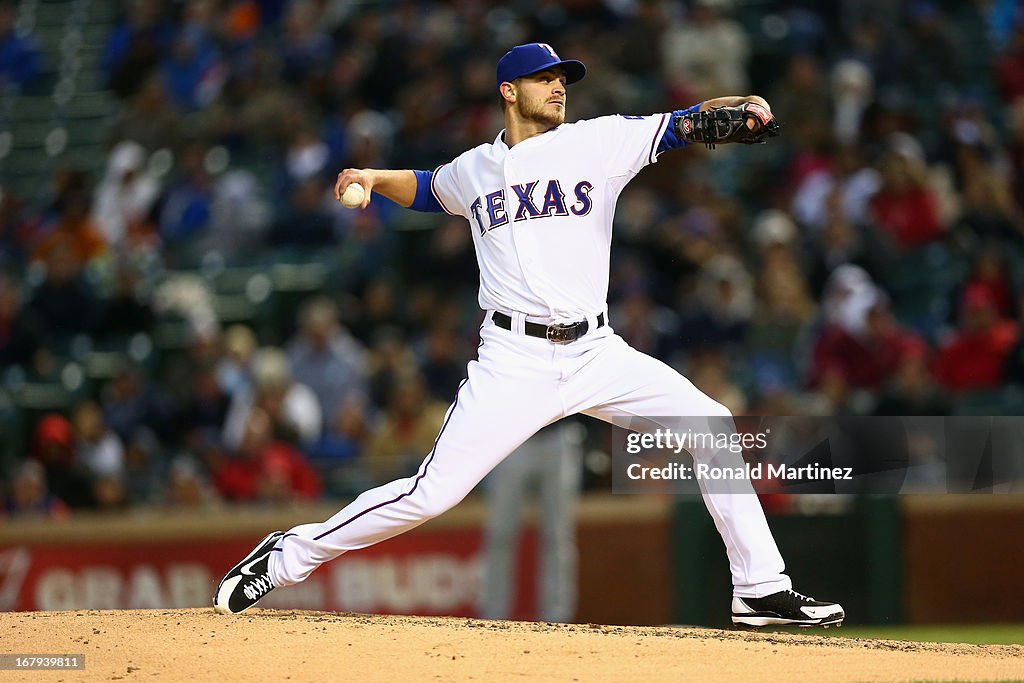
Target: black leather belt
[(556, 334)]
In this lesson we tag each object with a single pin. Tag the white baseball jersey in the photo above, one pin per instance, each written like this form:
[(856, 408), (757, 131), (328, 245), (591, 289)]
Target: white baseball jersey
[(541, 212)]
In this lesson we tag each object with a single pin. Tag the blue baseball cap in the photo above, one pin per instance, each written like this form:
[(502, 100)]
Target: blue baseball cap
[(523, 60)]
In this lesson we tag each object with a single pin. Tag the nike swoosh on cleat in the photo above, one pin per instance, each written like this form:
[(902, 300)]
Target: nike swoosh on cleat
[(245, 568)]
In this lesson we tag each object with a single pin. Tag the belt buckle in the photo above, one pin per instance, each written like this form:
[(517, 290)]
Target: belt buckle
[(559, 333)]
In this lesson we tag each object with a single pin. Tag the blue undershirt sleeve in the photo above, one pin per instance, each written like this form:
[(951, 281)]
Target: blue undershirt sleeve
[(425, 199), (670, 140)]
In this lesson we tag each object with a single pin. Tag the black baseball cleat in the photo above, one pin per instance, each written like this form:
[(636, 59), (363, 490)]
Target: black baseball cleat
[(248, 582), (786, 608)]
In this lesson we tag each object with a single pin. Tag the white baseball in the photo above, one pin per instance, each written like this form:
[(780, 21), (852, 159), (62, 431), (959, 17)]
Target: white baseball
[(354, 195)]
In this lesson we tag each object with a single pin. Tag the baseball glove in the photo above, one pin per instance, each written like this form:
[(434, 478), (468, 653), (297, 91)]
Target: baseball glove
[(728, 124)]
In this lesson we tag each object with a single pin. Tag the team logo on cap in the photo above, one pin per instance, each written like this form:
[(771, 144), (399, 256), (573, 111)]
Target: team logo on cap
[(551, 50)]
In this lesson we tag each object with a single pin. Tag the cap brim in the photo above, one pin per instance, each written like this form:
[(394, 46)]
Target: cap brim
[(574, 70)]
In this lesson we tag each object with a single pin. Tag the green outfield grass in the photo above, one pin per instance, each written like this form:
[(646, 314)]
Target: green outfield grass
[(982, 634)]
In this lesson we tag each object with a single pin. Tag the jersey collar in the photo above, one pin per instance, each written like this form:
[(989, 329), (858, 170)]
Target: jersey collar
[(499, 141)]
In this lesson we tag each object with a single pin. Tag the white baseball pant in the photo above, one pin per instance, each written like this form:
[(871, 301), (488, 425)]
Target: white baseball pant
[(518, 385)]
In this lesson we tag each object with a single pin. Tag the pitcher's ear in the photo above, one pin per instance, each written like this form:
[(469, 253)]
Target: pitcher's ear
[(508, 91)]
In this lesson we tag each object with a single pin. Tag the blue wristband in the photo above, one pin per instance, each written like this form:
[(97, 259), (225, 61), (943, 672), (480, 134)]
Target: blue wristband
[(425, 199), (670, 140)]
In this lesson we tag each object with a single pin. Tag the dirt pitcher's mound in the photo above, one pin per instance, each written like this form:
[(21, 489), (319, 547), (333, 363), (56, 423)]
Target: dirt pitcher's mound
[(198, 645)]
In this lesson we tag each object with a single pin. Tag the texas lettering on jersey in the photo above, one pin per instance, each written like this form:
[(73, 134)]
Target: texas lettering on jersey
[(541, 211), (489, 211)]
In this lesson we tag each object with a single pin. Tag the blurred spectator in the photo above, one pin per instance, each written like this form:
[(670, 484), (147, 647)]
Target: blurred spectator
[(710, 375), (369, 136), (346, 434), (546, 468), (306, 158), (266, 469), (19, 56), (325, 357), (135, 46), (905, 208), (125, 195), (305, 47), (128, 310), (291, 407), (786, 311), (442, 361), (974, 358), (21, 333), (241, 22), (193, 71), (206, 405), (64, 303), (379, 310), (255, 109), (234, 369), (306, 221), (861, 343), (187, 487), (707, 51), (640, 38), (239, 215), (132, 401), (645, 326), (53, 446), (367, 249), (389, 359), (969, 138), (797, 100), (144, 468), (109, 494), (842, 190), (878, 43), (187, 204), (74, 230), (450, 260), (406, 430), (937, 62), (692, 237), (990, 274), (852, 90), (774, 231), (149, 118), (30, 497), (912, 390), (189, 298), (988, 210), (97, 447), (201, 352), (724, 304), (842, 242)]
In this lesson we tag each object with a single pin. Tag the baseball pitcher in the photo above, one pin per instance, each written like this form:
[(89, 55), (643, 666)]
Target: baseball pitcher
[(539, 201)]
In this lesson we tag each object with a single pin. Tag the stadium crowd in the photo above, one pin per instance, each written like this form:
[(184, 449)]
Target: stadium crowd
[(869, 261)]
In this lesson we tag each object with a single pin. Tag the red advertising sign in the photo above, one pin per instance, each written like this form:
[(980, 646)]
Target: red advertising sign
[(426, 572)]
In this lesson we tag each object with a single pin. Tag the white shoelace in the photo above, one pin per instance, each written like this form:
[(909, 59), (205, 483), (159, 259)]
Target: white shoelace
[(801, 596), (257, 587)]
